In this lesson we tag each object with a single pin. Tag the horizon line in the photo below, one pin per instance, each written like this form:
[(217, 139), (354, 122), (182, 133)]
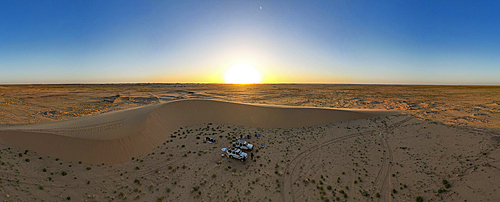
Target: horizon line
[(208, 83)]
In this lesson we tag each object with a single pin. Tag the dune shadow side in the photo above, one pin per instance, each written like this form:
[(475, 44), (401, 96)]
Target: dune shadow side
[(117, 137)]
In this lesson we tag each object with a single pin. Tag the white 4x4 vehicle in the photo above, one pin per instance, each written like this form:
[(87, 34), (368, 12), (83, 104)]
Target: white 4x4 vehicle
[(241, 144), (236, 153)]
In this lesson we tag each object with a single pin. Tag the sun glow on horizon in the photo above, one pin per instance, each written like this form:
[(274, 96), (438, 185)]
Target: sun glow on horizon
[(242, 74)]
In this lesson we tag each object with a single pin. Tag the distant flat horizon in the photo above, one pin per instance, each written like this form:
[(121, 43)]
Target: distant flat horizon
[(284, 83)]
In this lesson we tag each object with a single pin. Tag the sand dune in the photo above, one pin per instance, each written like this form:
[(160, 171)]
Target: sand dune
[(118, 136)]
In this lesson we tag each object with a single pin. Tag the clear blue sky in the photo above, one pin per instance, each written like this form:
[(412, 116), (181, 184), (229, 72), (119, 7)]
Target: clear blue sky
[(408, 42)]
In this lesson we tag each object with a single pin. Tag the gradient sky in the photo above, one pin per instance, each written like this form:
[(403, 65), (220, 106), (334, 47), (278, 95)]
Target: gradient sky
[(380, 42)]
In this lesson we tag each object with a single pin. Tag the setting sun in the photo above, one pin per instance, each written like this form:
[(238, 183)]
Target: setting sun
[(242, 74)]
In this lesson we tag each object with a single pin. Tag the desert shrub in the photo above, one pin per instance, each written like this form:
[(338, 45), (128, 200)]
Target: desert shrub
[(41, 186), (329, 187), (441, 190), (44, 170), (79, 162), (88, 168), (420, 199), (27, 160), (64, 173), (168, 190), (214, 175), (137, 168), (69, 198), (394, 191), (377, 195)]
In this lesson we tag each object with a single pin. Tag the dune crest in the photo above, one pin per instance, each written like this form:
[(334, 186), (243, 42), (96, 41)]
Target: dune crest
[(118, 136)]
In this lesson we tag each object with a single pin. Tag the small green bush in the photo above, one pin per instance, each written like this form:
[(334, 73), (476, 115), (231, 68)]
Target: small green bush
[(420, 199), (64, 173)]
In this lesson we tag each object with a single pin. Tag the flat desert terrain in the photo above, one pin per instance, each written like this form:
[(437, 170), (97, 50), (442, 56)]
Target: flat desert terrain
[(145, 142)]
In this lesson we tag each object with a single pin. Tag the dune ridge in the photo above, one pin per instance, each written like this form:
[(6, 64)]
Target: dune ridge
[(116, 137)]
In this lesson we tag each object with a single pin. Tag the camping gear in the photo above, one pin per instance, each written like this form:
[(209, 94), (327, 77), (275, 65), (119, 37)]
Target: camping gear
[(257, 135), (209, 139), (262, 146)]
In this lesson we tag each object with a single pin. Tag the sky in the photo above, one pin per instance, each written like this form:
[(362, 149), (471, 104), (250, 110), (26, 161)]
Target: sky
[(335, 41)]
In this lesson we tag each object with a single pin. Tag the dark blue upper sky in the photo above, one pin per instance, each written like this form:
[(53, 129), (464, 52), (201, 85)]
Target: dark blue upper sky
[(413, 42)]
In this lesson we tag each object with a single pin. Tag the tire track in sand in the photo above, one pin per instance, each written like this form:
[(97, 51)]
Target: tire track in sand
[(287, 179), (304, 154), (382, 181)]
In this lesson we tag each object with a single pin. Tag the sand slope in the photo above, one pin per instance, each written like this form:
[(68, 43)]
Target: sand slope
[(118, 136)]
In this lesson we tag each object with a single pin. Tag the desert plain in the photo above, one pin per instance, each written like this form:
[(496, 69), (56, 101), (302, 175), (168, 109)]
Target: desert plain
[(144, 142)]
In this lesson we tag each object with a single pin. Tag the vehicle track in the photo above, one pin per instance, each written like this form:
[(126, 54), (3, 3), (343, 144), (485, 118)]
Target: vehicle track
[(382, 181), (305, 153), (287, 179)]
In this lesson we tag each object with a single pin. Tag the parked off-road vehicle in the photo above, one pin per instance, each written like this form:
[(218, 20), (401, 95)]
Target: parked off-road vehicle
[(236, 153), (241, 144)]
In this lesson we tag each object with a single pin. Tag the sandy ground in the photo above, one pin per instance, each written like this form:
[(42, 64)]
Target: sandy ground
[(384, 158)]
